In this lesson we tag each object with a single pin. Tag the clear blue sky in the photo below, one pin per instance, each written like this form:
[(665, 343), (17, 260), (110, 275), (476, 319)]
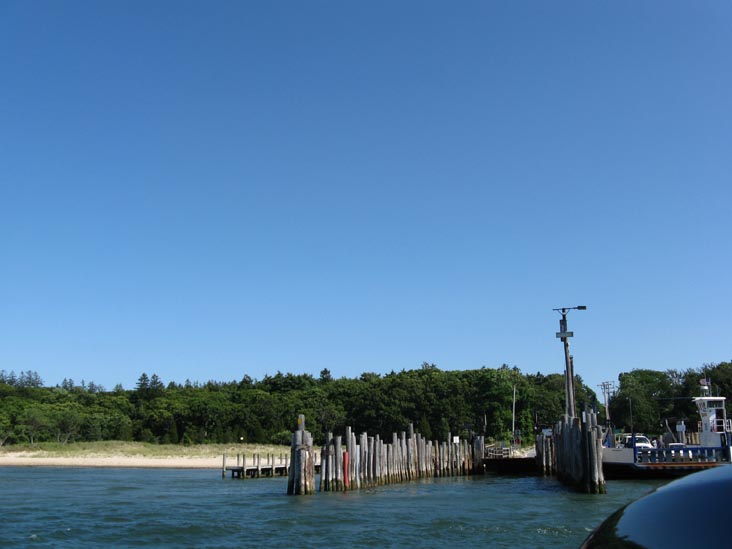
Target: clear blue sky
[(205, 190)]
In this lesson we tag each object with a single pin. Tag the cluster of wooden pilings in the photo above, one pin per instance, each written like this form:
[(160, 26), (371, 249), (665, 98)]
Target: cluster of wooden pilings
[(574, 453), (350, 462), (301, 476), (545, 459)]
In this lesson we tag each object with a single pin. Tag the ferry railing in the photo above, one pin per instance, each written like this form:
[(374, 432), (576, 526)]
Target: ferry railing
[(696, 454), (719, 426)]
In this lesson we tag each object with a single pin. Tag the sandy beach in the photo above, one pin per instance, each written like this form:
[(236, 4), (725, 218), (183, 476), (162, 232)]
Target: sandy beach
[(25, 459), (133, 454)]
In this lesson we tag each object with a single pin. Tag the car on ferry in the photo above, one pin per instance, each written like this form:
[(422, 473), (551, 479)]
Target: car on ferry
[(633, 441)]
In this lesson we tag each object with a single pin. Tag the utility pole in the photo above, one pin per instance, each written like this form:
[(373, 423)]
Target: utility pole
[(564, 335), (513, 418), (607, 387)]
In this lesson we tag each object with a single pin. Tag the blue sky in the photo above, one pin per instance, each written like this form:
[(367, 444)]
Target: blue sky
[(208, 190)]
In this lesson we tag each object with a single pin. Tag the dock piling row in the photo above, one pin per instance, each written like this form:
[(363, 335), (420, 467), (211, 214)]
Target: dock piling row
[(367, 461)]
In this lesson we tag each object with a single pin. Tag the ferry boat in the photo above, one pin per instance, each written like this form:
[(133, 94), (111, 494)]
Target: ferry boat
[(636, 457)]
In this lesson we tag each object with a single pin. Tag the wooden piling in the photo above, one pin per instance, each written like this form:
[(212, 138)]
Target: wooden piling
[(573, 453), (338, 463), (301, 480)]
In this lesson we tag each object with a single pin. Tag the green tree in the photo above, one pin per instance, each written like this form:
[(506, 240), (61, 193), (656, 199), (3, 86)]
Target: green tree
[(325, 376), (548, 401), (642, 401), (65, 420), (143, 383), (156, 387), (34, 422), (6, 427)]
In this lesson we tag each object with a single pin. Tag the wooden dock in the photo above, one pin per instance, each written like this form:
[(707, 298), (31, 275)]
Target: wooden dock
[(258, 466), (353, 462)]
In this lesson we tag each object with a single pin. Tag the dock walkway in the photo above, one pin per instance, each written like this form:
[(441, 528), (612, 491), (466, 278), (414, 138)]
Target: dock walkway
[(269, 466)]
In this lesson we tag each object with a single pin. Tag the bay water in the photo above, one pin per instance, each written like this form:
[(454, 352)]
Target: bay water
[(89, 507)]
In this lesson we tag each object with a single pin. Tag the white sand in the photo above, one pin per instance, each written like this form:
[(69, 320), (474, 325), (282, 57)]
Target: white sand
[(25, 459)]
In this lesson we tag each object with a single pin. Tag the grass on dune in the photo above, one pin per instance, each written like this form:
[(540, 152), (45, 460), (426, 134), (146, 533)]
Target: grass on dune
[(140, 449)]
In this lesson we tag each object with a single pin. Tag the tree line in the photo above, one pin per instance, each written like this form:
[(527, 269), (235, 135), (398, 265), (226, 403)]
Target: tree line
[(650, 401), (436, 402)]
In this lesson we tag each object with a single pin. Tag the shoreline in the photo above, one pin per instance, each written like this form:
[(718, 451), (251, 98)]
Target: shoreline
[(124, 462), (118, 458), (123, 454)]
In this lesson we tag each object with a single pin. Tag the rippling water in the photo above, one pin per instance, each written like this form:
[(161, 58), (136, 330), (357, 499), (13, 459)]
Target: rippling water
[(66, 507)]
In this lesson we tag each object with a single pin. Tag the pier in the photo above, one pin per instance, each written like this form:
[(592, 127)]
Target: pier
[(267, 466), (353, 462)]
